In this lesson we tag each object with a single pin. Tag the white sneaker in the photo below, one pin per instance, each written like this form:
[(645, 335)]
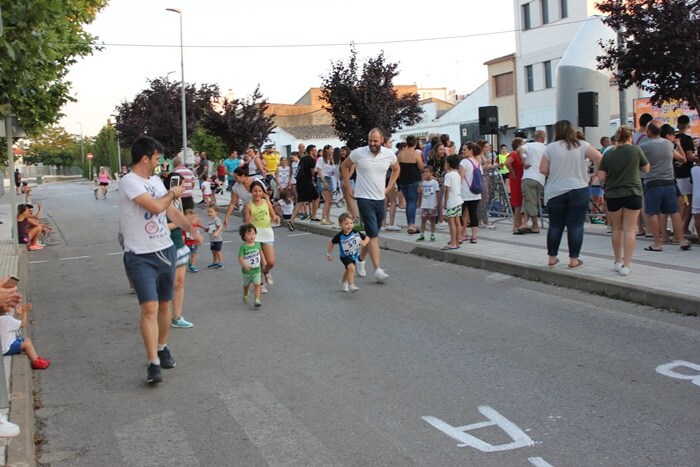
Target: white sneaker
[(346, 287), (361, 269), (380, 275), (353, 288), (393, 228), (624, 271), (268, 279), (617, 266), (263, 289), (7, 428)]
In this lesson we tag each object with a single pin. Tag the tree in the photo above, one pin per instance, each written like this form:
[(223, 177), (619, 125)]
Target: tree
[(661, 52), (53, 147), (41, 40), (202, 140), (358, 103), (104, 148), (157, 112), (240, 122)]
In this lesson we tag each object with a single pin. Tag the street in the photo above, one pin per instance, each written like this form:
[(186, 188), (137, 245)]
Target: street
[(441, 366)]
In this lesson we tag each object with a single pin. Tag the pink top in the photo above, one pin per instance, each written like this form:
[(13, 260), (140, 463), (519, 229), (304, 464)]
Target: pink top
[(104, 178)]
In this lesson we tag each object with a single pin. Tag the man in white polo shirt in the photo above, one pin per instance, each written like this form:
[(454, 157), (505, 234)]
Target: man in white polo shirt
[(371, 164)]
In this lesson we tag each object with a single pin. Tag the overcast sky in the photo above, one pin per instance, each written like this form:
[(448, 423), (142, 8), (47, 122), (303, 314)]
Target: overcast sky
[(240, 44)]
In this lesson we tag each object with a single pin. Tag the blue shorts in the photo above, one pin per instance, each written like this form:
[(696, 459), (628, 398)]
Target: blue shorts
[(372, 213), (597, 191), (329, 180), (660, 200), (216, 246), (152, 274), (194, 248), (15, 347)]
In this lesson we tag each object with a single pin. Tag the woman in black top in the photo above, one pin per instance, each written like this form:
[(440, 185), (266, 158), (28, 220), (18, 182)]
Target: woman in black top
[(411, 163)]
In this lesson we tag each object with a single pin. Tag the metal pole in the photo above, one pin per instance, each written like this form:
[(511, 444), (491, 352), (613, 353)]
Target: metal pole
[(182, 69), (4, 400), (119, 156), (621, 92)]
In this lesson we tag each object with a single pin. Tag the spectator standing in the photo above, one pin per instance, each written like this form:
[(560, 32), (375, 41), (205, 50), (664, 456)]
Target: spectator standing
[(566, 191), (202, 168), (468, 167), (149, 252), (18, 182), (371, 163), (230, 166), (326, 172), (514, 164), (619, 170), (187, 182), (307, 194), (411, 164), (533, 181), (682, 171)]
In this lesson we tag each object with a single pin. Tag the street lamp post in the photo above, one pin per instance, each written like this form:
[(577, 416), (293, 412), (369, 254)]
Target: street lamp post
[(82, 146), (182, 68)]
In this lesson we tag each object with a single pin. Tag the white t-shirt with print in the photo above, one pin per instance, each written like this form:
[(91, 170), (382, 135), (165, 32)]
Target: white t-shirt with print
[(283, 176), (328, 169), (143, 231), (206, 188), (453, 182), (430, 189), (8, 331), (371, 171)]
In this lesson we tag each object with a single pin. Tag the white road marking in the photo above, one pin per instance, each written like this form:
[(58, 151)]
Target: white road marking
[(73, 257), (38, 262), (539, 462), (299, 234), (279, 436), (142, 443), (497, 277), (116, 253), (668, 369), (520, 439)]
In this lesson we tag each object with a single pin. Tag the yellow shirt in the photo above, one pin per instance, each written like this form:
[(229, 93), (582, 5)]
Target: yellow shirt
[(271, 161)]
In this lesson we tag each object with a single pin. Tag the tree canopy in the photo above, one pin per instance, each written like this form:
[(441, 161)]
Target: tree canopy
[(359, 102), (54, 146), (240, 122), (41, 40), (661, 52), (157, 112)]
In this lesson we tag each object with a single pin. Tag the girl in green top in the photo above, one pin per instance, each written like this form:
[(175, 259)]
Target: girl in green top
[(260, 213)]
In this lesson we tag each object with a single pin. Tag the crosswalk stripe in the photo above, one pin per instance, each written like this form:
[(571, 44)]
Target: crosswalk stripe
[(143, 444), (279, 436)]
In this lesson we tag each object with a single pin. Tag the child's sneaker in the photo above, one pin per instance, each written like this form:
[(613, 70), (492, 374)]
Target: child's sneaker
[(346, 287), (353, 288), (40, 363), (219, 266), (257, 303), (421, 238), (432, 237), (180, 323), (193, 268), (213, 266)]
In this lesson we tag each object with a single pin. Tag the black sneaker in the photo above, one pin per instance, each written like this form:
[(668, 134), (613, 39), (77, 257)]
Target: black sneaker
[(155, 375), (166, 360)]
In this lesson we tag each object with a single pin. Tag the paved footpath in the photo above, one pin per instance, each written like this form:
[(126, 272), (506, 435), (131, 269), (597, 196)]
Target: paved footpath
[(668, 279)]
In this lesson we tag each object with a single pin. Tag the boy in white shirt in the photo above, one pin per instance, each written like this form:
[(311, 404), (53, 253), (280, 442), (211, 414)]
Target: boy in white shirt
[(428, 203)]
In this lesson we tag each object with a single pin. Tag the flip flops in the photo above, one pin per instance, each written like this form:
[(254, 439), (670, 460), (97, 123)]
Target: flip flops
[(651, 248), (578, 264)]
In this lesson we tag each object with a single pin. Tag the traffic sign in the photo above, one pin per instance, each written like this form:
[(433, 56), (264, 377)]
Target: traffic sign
[(89, 155)]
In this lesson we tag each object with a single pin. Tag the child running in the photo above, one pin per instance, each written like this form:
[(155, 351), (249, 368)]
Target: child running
[(252, 261), (259, 212), (428, 207), (350, 243), (215, 228), (453, 200)]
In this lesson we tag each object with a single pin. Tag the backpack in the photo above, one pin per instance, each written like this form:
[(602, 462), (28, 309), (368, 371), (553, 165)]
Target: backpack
[(477, 184)]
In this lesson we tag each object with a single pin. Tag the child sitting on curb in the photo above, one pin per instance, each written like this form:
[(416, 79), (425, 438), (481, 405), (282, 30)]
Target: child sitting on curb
[(12, 341)]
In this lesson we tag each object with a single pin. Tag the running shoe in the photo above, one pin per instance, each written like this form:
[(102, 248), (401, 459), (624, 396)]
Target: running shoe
[(624, 271), (353, 288), (290, 225), (421, 238), (154, 374), (7, 428), (346, 287), (361, 268), (263, 289), (380, 275), (219, 265), (257, 303), (617, 266), (213, 266), (268, 278), (166, 359), (245, 298), (432, 237), (180, 323), (393, 228), (193, 268)]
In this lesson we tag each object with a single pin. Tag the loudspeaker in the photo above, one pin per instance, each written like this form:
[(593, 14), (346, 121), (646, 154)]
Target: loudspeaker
[(587, 109), (488, 120)]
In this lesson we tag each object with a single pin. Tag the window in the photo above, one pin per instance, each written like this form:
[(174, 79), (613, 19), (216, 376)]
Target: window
[(547, 74), (503, 84), (564, 8), (530, 77), (526, 17), (545, 11)]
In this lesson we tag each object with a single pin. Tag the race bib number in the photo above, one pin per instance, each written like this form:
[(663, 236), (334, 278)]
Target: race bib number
[(351, 246), (252, 259)]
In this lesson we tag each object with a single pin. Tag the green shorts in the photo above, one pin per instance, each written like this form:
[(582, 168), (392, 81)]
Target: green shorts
[(251, 278)]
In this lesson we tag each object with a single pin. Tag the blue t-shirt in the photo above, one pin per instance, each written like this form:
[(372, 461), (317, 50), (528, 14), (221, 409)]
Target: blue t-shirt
[(230, 165), (349, 244)]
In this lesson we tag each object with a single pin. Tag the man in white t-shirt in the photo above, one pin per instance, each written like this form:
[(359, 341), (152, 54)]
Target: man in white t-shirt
[(371, 163), (149, 253), (533, 180)]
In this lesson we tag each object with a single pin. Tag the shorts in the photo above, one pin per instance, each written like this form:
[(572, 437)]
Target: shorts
[(265, 236), (104, 183), (183, 256), (372, 214), (194, 248), (532, 190), (685, 186), (216, 246), (187, 202), (660, 200), (15, 347), (632, 202), (347, 260), (597, 191), (505, 176), (152, 274), (455, 211), (251, 278), (286, 216), (329, 180), (429, 214)]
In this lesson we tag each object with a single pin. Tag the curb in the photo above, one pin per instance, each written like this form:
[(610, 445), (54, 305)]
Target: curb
[(683, 304)]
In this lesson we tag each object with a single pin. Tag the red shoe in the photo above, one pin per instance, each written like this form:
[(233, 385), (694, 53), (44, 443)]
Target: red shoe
[(40, 364), (35, 247)]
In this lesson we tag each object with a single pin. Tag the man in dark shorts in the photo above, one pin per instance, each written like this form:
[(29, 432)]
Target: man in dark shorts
[(18, 182), (306, 188)]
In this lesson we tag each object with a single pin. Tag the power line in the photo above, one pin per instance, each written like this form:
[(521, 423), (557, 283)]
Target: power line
[(339, 44)]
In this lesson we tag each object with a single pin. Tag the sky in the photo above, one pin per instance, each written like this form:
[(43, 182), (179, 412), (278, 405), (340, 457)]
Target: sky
[(238, 45)]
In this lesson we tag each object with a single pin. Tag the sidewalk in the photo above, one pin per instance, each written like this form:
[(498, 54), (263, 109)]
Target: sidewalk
[(667, 279)]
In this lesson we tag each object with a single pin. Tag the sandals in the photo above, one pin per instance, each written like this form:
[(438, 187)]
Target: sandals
[(651, 248), (578, 264), (551, 265)]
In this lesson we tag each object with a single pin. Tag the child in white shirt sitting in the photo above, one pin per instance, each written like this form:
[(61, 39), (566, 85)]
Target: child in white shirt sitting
[(12, 341)]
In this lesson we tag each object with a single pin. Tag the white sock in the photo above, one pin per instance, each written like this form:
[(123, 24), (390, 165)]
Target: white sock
[(155, 362), (161, 347)]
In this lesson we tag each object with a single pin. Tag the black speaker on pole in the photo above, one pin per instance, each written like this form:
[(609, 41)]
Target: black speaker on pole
[(488, 120), (587, 109)]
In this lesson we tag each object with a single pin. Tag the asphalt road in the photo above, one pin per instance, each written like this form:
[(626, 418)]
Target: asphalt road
[(441, 366)]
